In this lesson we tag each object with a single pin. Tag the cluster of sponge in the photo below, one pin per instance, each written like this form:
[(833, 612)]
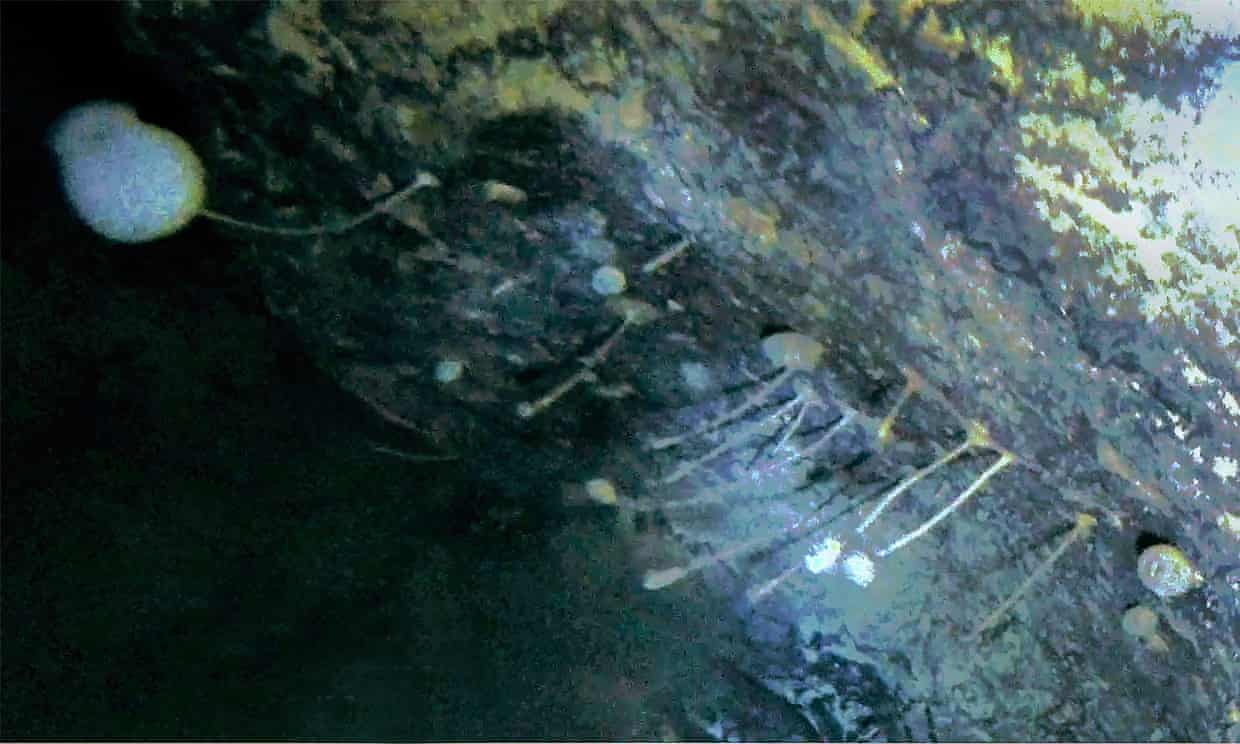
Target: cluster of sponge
[(132, 182), (126, 179)]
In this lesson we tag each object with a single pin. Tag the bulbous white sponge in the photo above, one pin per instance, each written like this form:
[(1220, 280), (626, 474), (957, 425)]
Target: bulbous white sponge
[(129, 181)]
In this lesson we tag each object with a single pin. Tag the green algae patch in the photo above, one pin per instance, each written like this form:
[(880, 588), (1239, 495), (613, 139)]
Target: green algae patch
[(858, 56), (998, 52)]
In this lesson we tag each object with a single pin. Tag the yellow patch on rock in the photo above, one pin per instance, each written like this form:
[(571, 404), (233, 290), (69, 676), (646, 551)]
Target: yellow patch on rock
[(857, 55), (446, 26), (760, 225)]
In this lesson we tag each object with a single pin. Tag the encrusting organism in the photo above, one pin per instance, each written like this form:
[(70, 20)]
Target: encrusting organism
[(857, 565), (133, 182), (660, 578), (1005, 459), (804, 398), (1084, 526), (784, 463), (977, 437), (913, 384), (632, 313), (825, 557), (790, 353)]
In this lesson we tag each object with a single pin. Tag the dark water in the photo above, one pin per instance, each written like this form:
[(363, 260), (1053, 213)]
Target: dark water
[(200, 540)]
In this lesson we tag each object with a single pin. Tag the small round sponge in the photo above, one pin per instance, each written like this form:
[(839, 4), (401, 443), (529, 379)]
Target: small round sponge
[(128, 180)]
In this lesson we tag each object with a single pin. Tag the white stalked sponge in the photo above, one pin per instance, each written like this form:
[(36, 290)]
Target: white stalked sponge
[(129, 181)]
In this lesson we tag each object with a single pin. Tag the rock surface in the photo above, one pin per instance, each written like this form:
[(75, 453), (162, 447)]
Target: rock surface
[(987, 216)]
